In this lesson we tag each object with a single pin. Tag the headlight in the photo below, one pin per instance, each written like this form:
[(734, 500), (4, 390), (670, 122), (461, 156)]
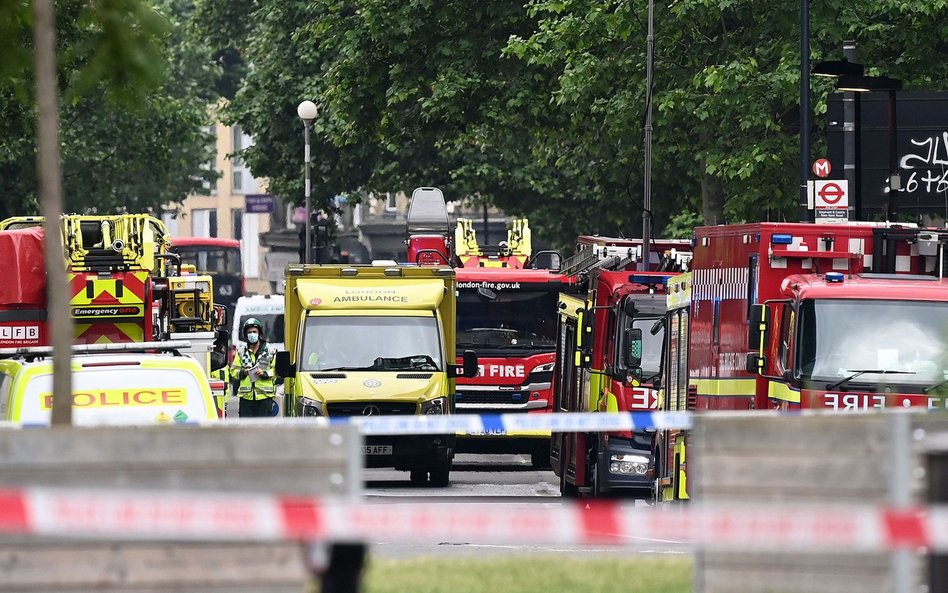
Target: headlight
[(435, 406), (541, 374), (636, 465), (310, 407)]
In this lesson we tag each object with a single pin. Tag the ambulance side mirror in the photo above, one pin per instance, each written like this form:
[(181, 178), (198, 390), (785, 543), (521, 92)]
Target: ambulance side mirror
[(758, 330), (284, 367), (467, 369)]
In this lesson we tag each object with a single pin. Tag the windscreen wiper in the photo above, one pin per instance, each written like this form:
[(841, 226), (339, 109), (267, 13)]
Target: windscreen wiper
[(864, 371), (935, 386)]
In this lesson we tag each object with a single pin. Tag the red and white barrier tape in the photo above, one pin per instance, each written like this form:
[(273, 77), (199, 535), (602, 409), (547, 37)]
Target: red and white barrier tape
[(230, 516)]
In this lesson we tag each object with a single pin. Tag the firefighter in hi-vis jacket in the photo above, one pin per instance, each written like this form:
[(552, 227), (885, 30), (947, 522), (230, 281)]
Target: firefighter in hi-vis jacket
[(253, 367)]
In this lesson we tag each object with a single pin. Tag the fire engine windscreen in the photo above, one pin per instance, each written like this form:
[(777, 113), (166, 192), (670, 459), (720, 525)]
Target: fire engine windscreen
[(371, 343), (507, 320), (651, 342), (837, 338)]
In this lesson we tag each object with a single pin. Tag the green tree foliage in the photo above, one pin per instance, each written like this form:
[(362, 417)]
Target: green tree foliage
[(134, 112), (539, 108)]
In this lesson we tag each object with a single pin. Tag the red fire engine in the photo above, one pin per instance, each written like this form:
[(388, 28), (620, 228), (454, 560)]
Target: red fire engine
[(118, 289), (847, 317), (609, 349), (506, 313), (788, 315)]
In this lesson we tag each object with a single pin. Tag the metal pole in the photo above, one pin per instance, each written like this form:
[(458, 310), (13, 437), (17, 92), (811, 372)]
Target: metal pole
[(804, 107), (59, 321), (900, 479), (895, 181), (851, 133), (307, 254), (647, 190)]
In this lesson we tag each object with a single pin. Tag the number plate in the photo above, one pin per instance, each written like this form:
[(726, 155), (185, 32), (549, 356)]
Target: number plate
[(376, 449)]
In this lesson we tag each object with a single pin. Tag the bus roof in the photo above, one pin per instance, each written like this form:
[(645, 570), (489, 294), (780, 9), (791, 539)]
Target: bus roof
[(205, 241)]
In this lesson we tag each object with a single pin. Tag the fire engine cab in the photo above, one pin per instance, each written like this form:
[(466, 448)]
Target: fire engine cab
[(609, 349), (836, 316)]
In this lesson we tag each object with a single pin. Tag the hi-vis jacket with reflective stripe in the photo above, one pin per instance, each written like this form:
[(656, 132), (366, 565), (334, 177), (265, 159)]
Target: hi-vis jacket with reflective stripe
[(254, 387)]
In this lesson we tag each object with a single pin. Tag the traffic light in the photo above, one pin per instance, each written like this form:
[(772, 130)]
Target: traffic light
[(302, 248), (318, 240)]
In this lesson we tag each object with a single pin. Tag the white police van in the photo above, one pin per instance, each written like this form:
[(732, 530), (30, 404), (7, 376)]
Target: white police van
[(268, 309)]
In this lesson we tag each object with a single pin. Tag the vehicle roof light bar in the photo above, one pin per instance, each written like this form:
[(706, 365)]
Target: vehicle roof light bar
[(781, 239), (163, 346)]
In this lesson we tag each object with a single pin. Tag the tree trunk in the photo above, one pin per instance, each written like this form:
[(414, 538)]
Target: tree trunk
[(49, 172), (712, 199)]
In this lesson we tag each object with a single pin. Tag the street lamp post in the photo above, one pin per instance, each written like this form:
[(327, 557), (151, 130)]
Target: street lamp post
[(868, 84), (307, 112), (849, 77), (804, 108)]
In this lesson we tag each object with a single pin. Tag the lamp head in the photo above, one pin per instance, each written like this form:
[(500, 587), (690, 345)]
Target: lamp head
[(834, 68), (307, 111), (867, 84)]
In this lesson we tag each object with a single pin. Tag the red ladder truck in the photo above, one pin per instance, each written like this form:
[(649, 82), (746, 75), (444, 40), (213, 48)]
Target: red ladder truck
[(506, 313)]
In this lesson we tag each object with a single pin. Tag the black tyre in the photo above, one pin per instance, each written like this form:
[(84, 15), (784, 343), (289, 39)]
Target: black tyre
[(419, 477), (596, 482), (441, 475), (540, 457)]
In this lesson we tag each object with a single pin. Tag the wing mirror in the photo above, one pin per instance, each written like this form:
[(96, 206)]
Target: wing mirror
[(467, 369)]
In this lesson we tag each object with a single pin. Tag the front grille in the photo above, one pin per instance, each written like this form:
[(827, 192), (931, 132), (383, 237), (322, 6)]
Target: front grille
[(328, 375), (371, 409), (413, 376), (491, 397)]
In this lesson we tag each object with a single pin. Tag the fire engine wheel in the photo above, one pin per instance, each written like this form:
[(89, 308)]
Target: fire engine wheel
[(418, 477), (567, 490), (596, 482), (540, 458), (441, 475)]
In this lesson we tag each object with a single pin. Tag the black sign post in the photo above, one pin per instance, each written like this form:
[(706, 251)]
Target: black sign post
[(921, 145)]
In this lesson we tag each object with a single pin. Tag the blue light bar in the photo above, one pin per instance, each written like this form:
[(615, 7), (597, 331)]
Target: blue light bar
[(834, 277), (781, 239), (648, 280)]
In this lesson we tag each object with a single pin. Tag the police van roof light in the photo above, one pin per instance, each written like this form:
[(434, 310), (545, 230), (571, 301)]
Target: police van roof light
[(781, 239), (834, 277)]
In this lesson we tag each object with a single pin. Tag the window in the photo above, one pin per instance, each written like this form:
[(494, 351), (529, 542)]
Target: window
[(204, 222), (170, 219), (236, 223), (391, 203), (6, 381), (238, 145), (368, 342)]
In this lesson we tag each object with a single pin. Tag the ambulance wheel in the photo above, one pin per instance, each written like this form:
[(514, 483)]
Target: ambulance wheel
[(441, 475), (418, 477)]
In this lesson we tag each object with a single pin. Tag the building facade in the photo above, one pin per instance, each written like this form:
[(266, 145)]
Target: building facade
[(222, 209)]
